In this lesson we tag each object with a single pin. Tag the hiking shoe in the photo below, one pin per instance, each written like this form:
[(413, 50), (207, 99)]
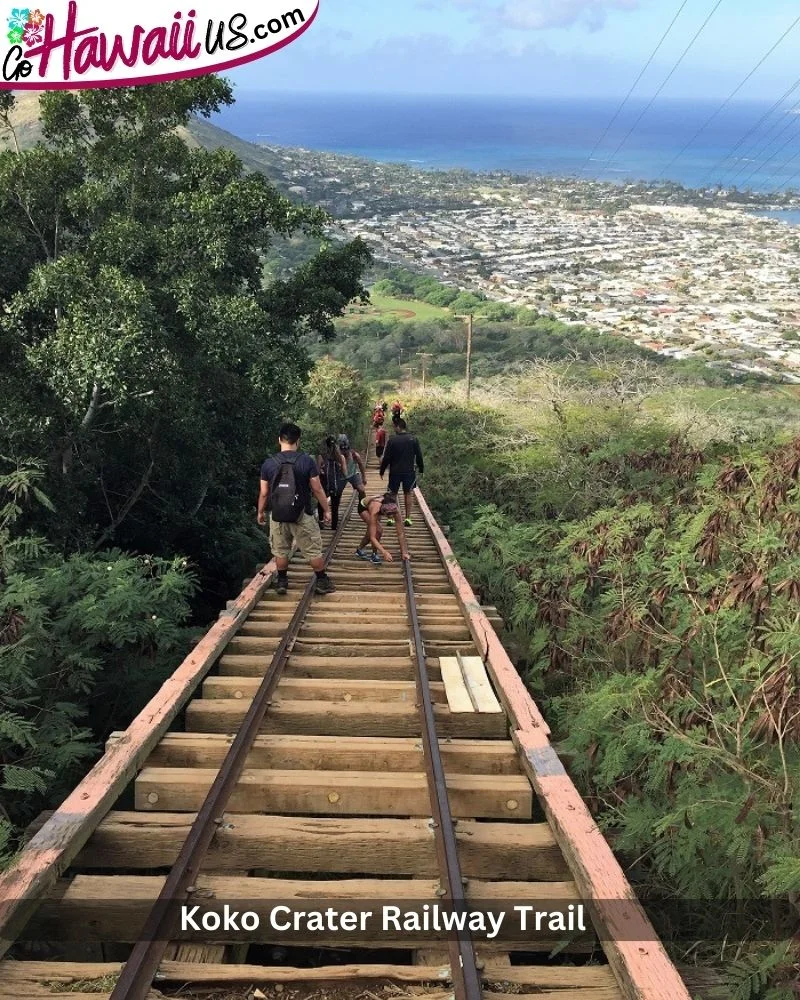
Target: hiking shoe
[(375, 558), (281, 585), (408, 522), (363, 553), (390, 521), (325, 585)]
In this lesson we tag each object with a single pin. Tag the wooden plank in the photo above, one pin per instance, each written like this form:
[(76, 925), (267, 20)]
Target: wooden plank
[(554, 977), (329, 630), (455, 686), (514, 851), (390, 668), (336, 793), (38, 991), (48, 854), (311, 689), (476, 680), (586, 993), (196, 953), (311, 646), (509, 685), (327, 718), (640, 963), (337, 753), (114, 908)]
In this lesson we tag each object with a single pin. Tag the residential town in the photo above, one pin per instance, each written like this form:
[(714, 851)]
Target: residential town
[(719, 284), (685, 273)]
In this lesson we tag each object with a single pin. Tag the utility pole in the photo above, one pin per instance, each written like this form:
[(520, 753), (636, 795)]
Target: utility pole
[(469, 354), (469, 320), (424, 357)]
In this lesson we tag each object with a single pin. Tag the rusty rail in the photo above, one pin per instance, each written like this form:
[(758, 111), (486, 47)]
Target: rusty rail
[(463, 963), (136, 979)]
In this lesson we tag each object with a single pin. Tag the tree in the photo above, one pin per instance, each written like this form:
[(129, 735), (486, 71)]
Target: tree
[(146, 362), (158, 358), (336, 403)]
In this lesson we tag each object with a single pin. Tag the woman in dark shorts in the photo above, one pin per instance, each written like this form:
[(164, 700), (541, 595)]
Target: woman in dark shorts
[(371, 510)]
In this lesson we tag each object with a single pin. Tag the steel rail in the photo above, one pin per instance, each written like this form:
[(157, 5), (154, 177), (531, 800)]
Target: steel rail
[(138, 974), (463, 963)]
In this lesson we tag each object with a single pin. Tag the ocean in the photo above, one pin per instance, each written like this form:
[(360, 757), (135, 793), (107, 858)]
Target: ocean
[(555, 137)]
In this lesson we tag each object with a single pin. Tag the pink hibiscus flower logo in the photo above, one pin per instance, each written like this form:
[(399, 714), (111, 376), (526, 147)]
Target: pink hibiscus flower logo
[(33, 34)]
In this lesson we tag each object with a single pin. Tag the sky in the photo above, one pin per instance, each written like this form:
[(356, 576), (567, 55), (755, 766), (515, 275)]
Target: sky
[(534, 48)]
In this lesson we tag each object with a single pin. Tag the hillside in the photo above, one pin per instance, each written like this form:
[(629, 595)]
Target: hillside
[(198, 134)]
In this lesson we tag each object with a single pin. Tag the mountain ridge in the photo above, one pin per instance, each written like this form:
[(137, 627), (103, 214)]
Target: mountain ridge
[(199, 133)]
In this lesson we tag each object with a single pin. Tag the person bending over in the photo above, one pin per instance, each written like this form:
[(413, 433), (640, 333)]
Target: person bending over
[(371, 510)]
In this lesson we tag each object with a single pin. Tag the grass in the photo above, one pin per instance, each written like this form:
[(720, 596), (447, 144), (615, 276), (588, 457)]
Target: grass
[(724, 410), (102, 985), (403, 309)]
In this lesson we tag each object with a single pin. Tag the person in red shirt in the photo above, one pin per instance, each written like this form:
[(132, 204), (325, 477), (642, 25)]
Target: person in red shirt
[(380, 441)]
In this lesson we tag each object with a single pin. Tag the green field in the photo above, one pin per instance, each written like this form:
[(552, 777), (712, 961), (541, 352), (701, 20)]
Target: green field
[(403, 309)]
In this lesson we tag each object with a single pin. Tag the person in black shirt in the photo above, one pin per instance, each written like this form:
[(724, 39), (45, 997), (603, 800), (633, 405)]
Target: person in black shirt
[(403, 458), (304, 533)]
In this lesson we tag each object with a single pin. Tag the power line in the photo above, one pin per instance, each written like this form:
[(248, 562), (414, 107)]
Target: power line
[(729, 98), (634, 85), (750, 131), (790, 180), (772, 136), (664, 82), (769, 159)]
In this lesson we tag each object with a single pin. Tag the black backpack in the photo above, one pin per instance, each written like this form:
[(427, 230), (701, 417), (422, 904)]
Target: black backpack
[(287, 502)]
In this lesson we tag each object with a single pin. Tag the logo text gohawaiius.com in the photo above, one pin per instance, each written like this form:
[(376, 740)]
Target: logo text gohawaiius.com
[(82, 47)]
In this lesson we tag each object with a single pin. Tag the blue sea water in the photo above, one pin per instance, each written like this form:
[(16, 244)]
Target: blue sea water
[(555, 137), (790, 216)]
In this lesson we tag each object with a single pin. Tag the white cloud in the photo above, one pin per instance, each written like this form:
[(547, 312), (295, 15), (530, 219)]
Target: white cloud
[(540, 14)]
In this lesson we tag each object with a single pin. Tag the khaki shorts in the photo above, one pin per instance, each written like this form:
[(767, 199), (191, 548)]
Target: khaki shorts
[(304, 533)]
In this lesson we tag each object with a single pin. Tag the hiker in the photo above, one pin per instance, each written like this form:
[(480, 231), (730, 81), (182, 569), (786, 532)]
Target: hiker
[(397, 412), (289, 479), (380, 441), (403, 457), (333, 475), (377, 417), (355, 470), (384, 406), (371, 510)]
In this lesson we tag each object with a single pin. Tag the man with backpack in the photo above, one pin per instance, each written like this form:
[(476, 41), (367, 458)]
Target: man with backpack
[(402, 457), (333, 476), (289, 482)]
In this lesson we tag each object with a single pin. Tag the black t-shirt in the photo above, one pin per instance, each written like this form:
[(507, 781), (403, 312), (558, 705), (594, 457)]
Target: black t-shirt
[(402, 454), (305, 469)]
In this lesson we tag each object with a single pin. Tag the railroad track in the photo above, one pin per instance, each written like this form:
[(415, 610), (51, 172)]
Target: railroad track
[(370, 748)]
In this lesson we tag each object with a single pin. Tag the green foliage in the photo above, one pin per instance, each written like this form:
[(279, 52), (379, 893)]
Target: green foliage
[(651, 589), (149, 351), (157, 359), (504, 336), (750, 977), (84, 641), (336, 403)]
